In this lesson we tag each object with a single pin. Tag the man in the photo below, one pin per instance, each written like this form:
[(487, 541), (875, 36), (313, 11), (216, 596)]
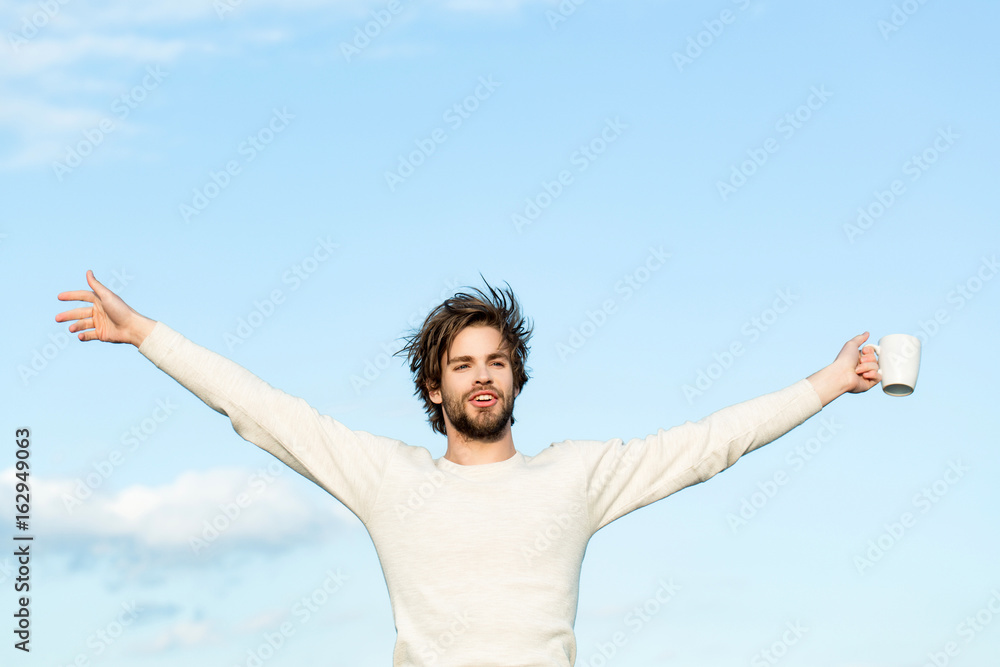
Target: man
[(469, 582)]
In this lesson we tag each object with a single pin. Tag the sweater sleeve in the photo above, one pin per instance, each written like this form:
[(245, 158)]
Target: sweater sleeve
[(623, 476), (350, 465)]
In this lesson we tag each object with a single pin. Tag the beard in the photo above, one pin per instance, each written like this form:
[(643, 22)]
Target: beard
[(486, 425)]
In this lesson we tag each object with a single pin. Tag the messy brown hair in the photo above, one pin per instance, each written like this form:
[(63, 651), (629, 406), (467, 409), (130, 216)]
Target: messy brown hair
[(425, 347)]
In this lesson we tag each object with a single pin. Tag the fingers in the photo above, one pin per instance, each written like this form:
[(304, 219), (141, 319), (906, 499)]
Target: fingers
[(869, 370), (84, 319), (83, 315), (75, 314), (82, 324), (77, 295)]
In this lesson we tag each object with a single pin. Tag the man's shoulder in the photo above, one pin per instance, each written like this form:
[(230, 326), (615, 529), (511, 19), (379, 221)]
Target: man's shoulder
[(572, 448), (389, 446)]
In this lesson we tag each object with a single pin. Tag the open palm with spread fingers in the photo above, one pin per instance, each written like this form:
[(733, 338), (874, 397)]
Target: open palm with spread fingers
[(109, 318)]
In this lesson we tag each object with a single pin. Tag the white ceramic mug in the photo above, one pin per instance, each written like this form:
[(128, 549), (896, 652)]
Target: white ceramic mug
[(899, 362)]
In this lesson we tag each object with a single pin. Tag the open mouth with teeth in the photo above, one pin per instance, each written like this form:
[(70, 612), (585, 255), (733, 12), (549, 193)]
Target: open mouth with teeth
[(483, 400)]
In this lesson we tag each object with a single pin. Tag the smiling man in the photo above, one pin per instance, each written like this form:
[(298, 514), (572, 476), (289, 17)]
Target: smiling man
[(470, 583), (468, 364), (476, 363)]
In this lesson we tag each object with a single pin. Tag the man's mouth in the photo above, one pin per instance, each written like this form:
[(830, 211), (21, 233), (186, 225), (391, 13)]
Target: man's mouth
[(483, 399)]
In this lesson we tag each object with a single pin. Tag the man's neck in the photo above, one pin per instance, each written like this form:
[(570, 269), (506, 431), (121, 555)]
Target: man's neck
[(476, 452)]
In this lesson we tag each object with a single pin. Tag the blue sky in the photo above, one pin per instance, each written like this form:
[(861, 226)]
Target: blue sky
[(658, 182)]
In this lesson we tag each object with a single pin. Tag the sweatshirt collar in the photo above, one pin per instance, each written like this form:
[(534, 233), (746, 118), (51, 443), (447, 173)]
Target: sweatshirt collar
[(481, 469)]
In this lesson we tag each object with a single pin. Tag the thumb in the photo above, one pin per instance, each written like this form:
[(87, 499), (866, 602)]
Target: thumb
[(850, 349), (94, 283)]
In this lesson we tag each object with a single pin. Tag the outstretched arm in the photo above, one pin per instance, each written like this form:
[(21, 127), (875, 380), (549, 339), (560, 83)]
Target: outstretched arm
[(110, 319), (624, 476), (349, 464)]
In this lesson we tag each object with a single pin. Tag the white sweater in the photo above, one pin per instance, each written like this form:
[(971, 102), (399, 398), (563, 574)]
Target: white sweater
[(482, 563)]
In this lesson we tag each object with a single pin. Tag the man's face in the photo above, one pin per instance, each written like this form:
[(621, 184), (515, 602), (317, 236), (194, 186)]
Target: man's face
[(476, 366)]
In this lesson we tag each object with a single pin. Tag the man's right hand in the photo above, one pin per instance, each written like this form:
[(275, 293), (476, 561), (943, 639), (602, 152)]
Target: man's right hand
[(110, 319)]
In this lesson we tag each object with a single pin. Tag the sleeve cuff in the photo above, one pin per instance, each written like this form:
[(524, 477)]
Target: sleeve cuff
[(158, 343), (812, 402)]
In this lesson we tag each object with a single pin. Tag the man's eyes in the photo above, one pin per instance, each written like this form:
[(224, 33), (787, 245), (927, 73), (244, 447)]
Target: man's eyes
[(495, 363)]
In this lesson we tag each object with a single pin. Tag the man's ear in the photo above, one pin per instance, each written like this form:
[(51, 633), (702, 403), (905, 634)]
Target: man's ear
[(434, 392)]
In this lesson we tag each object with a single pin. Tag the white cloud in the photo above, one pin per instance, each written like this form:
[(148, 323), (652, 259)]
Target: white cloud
[(54, 60), (49, 102), (46, 54), (224, 508), (182, 634), (33, 114), (266, 620), (485, 6)]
